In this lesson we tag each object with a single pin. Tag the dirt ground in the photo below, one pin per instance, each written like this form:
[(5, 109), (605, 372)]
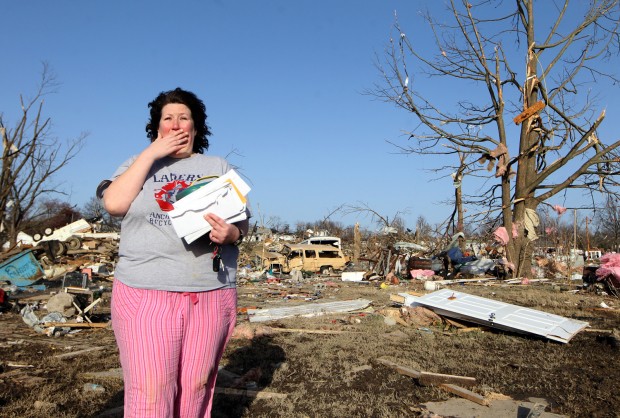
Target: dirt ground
[(333, 365)]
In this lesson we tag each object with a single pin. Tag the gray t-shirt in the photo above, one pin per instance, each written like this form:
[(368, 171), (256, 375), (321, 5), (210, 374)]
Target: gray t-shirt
[(151, 255)]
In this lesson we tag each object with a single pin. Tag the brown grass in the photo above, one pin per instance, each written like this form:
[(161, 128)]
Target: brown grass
[(338, 375)]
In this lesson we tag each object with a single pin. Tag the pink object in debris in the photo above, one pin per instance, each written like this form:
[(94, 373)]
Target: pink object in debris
[(501, 235), (610, 260), (559, 209), (610, 267), (421, 273)]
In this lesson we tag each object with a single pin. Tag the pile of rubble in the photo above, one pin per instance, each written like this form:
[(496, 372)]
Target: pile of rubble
[(56, 279)]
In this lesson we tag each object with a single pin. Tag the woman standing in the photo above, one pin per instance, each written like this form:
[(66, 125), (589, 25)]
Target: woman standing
[(173, 304)]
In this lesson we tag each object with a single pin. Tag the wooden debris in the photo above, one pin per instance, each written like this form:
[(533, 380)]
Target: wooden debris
[(248, 331), (428, 379), (81, 313), (400, 369), (519, 282), (311, 331), (529, 112), (77, 324), (465, 394), (401, 299), (17, 366), (397, 298), (602, 331), (463, 281), (78, 290), (78, 353), (394, 314), (604, 310), (462, 327), (455, 323), (470, 329), (442, 379), (258, 394)]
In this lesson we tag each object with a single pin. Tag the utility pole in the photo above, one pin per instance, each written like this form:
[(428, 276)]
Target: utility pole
[(574, 229), (587, 235)]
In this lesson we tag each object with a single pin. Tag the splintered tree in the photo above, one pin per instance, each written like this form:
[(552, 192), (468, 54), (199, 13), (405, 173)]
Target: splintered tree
[(30, 158), (522, 101)]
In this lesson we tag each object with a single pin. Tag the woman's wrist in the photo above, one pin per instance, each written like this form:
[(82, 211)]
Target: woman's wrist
[(239, 238)]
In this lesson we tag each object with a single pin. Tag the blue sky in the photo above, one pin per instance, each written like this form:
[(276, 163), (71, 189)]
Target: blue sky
[(283, 83)]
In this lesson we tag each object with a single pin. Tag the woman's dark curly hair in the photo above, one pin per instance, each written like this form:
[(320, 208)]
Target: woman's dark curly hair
[(196, 106)]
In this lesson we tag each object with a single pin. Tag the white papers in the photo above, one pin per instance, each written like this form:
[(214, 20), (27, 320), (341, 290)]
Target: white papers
[(224, 196)]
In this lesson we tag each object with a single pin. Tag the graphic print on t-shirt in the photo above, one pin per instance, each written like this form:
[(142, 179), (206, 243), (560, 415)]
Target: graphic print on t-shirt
[(166, 196)]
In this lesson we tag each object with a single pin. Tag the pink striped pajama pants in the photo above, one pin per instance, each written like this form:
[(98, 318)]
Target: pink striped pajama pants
[(170, 345)]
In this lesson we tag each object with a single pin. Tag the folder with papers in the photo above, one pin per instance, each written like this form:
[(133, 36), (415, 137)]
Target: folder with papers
[(224, 196)]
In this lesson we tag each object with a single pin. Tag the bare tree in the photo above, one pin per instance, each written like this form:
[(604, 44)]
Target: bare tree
[(382, 221), (607, 221), (541, 77), (275, 223), (30, 158), (391, 229), (52, 213), (93, 210)]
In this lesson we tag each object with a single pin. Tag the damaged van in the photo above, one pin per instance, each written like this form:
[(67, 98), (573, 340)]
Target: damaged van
[(323, 259)]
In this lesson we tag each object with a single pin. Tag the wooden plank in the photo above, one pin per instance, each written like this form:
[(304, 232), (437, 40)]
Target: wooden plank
[(312, 331), (612, 310), (400, 369), (78, 290), (602, 331), (459, 281), (258, 394), (78, 353), (454, 322), (428, 378), (457, 390), (77, 324), (529, 112), (20, 366), (401, 299), (397, 298), (464, 393), (471, 329)]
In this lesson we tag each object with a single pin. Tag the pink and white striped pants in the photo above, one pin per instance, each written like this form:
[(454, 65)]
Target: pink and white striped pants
[(170, 345)]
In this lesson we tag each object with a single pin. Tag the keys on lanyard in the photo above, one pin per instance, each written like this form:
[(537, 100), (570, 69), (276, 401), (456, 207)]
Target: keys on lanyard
[(217, 258)]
